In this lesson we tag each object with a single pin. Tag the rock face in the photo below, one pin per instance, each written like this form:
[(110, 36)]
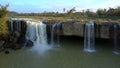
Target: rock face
[(97, 30), (78, 29), (14, 38), (102, 30), (67, 29), (1, 45), (17, 30), (73, 29), (105, 30)]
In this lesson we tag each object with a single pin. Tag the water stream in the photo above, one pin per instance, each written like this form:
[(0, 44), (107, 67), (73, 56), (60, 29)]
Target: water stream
[(37, 34), (89, 38), (116, 45), (55, 31)]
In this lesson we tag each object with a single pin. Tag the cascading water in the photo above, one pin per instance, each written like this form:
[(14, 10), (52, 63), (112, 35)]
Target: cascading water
[(52, 34), (89, 39), (30, 32), (37, 34), (116, 47), (18, 25), (11, 25), (55, 29)]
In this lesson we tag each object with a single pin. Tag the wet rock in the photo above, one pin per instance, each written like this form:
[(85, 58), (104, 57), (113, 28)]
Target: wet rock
[(15, 46), (29, 43), (7, 52), (16, 36), (97, 30), (1, 43), (23, 27)]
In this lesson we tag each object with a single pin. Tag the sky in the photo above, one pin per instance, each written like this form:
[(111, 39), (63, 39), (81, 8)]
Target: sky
[(28, 6)]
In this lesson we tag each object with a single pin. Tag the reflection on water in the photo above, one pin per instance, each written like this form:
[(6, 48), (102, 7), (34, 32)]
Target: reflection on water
[(69, 55)]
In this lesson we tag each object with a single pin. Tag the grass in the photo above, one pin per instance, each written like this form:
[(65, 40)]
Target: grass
[(65, 19)]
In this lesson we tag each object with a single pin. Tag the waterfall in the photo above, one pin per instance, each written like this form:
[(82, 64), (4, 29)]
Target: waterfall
[(15, 26), (115, 39), (36, 32), (18, 25), (55, 34), (11, 26), (30, 32), (89, 38), (52, 33)]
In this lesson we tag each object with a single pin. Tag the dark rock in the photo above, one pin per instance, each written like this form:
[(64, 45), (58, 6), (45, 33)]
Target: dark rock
[(7, 52), (16, 36), (1, 43), (29, 43), (15, 46)]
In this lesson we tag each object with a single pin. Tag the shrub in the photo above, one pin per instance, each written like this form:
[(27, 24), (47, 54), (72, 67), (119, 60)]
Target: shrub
[(3, 19)]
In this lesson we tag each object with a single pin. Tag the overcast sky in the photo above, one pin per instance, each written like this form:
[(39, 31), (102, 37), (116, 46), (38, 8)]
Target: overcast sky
[(57, 5)]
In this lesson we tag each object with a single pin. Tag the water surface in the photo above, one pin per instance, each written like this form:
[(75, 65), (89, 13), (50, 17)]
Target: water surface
[(69, 55)]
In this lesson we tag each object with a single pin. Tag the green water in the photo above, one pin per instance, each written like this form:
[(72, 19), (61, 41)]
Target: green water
[(69, 55)]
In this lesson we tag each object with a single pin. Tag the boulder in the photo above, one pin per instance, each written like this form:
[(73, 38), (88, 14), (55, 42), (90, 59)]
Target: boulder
[(7, 52), (29, 43)]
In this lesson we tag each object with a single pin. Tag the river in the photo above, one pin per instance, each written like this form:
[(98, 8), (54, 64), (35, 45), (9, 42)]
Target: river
[(70, 54)]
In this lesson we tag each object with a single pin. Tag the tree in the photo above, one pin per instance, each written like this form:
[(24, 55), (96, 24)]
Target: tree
[(101, 12), (3, 19), (70, 12)]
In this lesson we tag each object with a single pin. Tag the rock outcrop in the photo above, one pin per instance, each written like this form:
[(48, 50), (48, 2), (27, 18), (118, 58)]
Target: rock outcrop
[(1, 45), (76, 29)]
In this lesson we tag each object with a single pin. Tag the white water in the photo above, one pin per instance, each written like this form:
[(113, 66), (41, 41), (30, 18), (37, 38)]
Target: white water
[(11, 25), (116, 50), (55, 28), (37, 34), (18, 24), (52, 34), (89, 38)]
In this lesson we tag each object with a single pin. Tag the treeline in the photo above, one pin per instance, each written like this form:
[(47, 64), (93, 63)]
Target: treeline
[(3, 19), (113, 13)]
